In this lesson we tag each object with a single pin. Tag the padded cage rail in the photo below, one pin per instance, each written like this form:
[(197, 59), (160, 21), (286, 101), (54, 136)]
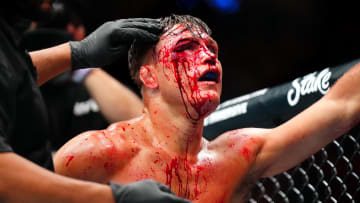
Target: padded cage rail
[(331, 175)]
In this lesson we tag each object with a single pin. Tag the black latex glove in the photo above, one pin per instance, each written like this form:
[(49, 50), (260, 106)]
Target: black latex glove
[(111, 40), (146, 191)]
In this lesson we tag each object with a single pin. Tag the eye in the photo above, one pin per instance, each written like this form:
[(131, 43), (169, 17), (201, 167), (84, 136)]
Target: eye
[(185, 46), (213, 49)]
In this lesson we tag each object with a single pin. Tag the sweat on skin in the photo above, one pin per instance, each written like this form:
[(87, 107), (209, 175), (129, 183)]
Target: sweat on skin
[(181, 86)]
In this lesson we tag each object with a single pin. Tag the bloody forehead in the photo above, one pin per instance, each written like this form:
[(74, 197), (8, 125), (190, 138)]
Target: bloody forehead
[(181, 32)]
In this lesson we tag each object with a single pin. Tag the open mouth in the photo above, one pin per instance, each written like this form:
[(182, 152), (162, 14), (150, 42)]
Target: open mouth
[(210, 76)]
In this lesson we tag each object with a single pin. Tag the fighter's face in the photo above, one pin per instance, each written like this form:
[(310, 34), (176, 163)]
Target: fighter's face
[(189, 70)]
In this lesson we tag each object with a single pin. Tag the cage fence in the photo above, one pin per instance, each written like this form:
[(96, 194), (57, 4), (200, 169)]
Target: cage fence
[(329, 176)]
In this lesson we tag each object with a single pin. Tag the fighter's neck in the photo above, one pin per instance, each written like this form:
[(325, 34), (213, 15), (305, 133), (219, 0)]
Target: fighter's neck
[(174, 131)]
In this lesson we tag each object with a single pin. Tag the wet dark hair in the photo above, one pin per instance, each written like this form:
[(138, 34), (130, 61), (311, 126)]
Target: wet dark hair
[(137, 52)]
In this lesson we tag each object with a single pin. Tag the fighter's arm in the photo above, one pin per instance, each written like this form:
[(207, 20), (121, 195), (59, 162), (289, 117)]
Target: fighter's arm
[(292, 142), (23, 181), (115, 100)]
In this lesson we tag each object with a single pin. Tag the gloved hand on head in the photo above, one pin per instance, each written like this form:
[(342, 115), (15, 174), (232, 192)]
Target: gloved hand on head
[(146, 191), (111, 40)]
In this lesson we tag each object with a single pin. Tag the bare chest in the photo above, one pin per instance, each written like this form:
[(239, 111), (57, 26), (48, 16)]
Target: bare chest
[(208, 179)]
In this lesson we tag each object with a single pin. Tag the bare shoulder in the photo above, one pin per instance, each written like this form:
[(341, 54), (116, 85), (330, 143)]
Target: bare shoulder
[(240, 137), (95, 155), (246, 142)]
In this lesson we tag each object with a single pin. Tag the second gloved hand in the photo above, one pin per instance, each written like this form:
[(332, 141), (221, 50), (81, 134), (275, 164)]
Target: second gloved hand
[(146, 191), (111, 40)]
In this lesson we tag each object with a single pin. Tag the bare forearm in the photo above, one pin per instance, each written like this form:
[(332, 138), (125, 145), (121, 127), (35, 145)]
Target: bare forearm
[(296, 140), (346, 93), (116, 101), (332, 116), (23, 181), (51, 62)]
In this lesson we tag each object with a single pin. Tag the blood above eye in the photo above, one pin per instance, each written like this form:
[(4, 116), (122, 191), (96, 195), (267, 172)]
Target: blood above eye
[(189, 45), (184, 47)]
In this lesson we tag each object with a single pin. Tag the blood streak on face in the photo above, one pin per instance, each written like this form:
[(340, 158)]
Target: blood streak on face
[(182, 61), (184, 67)]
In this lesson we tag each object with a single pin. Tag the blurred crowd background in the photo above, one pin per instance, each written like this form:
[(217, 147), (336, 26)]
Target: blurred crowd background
[(262, 43)]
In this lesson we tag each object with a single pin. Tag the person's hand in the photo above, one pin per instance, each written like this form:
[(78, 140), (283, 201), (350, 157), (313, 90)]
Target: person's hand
[(111, 40), (146, 191)]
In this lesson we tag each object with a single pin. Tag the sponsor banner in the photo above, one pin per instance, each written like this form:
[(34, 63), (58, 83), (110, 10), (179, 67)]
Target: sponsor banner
[(309, 84), (271, 107)]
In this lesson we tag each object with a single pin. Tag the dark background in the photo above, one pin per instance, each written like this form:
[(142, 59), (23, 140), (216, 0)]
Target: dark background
[(262, 43)]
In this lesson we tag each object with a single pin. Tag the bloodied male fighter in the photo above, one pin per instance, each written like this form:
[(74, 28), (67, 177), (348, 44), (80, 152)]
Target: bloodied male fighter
[(180, 79)]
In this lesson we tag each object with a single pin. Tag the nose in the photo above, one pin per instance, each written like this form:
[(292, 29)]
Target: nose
[(208, 57), (211, 61)]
